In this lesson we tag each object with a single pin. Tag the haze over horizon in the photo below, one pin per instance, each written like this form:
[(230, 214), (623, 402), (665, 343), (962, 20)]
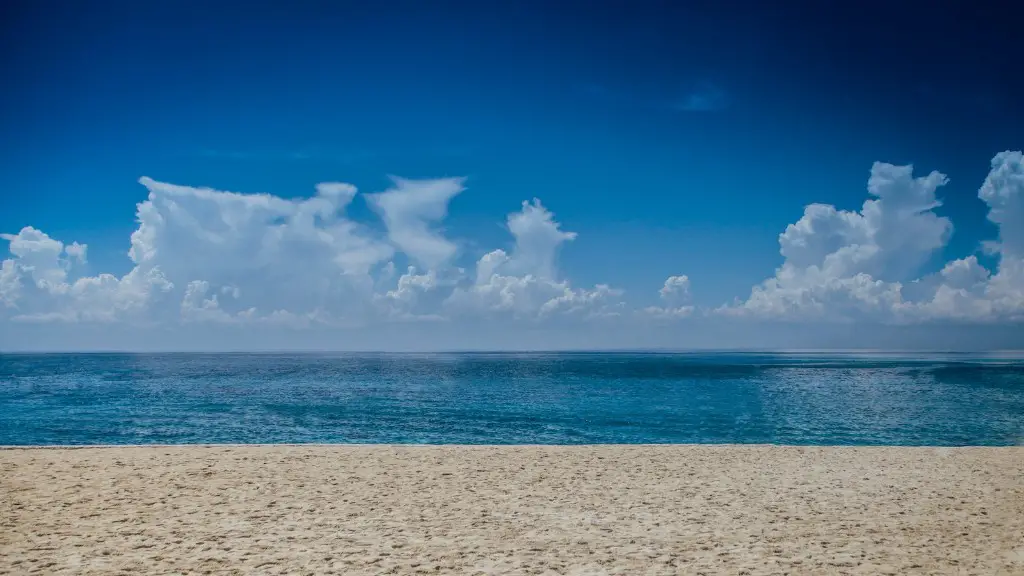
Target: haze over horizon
[(178, 176)]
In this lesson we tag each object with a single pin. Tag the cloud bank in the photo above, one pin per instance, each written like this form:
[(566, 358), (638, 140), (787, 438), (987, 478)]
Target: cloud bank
[(209, 258), (857, 266)]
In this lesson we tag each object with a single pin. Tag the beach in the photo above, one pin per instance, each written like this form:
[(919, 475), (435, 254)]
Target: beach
[(584, 510)]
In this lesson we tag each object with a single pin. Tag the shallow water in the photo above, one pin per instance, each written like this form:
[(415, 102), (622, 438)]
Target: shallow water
[(551, 398)]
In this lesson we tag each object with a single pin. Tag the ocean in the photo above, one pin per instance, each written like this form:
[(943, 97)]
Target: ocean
[(511, 398)]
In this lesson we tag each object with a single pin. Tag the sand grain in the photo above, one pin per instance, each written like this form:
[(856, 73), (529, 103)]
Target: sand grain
[(512, 510)]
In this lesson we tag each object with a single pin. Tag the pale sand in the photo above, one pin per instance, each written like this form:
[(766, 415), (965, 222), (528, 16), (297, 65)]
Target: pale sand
[(512, 510)]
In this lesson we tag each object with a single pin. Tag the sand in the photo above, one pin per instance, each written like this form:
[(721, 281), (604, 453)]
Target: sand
[(511, 510)]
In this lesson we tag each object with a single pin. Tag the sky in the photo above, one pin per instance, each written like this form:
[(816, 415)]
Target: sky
[(184, 175)]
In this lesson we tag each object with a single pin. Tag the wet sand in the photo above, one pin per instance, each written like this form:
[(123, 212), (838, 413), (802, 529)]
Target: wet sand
[(511, 510)]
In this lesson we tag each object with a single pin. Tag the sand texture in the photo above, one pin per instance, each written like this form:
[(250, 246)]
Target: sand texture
[(512, 510)]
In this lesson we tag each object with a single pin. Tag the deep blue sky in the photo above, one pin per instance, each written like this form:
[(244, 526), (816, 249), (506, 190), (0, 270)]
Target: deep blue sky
[(582, 104)]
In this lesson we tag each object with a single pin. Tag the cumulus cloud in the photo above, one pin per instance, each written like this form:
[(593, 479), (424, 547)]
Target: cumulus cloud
[(965, 289), (862, 265), (847, 264), (201, 256), (674, 292), (209, 256), (538, 238), (409, 299), (267, 253), (39, 285), (409, 210), (524, 283), (295, 255), (675, 288)]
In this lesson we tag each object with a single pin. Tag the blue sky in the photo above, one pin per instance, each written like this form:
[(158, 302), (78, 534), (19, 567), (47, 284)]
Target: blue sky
[(672, 138)]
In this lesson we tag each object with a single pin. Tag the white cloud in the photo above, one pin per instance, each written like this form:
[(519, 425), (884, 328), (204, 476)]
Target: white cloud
[(849, 265), (208, 256), (674, 292), (669, 312), (405, 301), (38, 284), (861, 265), (195, 306), (538, 239), (40, 257), (409, 209), (205, 259), (271, 253), (1003, 191), (675, 288), (965, 289), (524, 283), (268, 253)]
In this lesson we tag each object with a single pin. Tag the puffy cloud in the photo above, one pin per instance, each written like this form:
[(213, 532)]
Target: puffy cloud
[(965, 289), (38, 283), (524, 283), (296, 255), (1003, 191), (43, 259), (209, 256), (861, 265), (196, 306), (204, 256), (538, 238), (410, 285), (405, 301), (669, 312), (890, 237), (675, 288), (848, 265), (302, 256), (409, 209), (674, 292)]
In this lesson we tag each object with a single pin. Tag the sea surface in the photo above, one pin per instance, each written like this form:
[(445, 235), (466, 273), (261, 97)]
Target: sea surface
[(478, 398)]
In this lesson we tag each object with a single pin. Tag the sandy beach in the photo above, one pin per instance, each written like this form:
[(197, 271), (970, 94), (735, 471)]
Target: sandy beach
[(511, 510)]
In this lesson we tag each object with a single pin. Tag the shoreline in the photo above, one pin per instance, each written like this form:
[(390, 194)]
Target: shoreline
[(511, 509), (426, 445)]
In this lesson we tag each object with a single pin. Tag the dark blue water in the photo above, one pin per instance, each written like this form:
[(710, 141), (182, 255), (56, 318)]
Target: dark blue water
[(557, 398)]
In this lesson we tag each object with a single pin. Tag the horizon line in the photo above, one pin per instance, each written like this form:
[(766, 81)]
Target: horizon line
[(657, 350)]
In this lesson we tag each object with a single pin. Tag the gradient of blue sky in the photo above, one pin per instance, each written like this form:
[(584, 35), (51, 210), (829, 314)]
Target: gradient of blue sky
[(673, 137)]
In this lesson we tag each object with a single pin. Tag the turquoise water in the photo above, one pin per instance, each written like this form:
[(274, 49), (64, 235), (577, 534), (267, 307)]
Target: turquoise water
[(555, 398)]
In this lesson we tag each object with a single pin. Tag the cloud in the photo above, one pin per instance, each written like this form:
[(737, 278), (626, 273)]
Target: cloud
[(409, 209), (406, 300), (205, 260), (674, 292), (675, 288), (862, 266), (842, 264), (36, 285), (524, 283), (205, 256), (296, 255), (964, 289), (669, 312), (270, 253), (1003, 191), (538, 238)]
